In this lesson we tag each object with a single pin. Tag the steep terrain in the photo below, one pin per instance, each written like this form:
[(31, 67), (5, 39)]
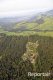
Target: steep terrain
[(26, 46), (39, 22), (22, 54)]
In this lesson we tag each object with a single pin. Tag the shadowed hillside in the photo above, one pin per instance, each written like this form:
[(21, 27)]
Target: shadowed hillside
[(14, 65)]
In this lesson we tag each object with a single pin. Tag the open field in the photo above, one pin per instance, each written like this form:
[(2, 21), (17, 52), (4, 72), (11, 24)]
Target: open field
[(28, 33)]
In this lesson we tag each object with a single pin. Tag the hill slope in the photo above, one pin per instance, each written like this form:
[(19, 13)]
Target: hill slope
[(41, 21)]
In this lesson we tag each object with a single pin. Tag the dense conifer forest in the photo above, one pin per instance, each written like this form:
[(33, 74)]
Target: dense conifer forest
[(22, 54)]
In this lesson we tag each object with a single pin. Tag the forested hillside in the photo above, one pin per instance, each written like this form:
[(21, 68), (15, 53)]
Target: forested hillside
[(26, 45), (22, 54)]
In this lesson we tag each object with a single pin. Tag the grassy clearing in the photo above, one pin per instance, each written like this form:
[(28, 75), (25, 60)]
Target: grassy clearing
[(28, 33)]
